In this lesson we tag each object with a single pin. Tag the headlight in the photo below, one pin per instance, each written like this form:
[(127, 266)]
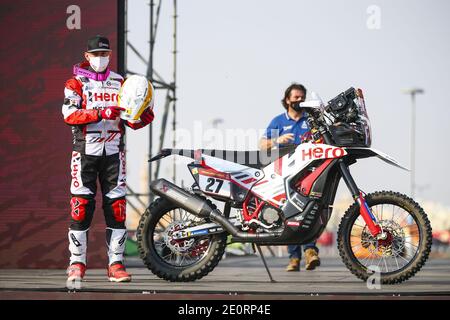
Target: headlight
[(351, 124)]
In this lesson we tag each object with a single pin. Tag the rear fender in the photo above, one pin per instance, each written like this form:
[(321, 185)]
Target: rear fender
[(167, 152)]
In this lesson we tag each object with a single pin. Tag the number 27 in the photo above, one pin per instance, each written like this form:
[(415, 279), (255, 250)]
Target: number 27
[(211, 182)]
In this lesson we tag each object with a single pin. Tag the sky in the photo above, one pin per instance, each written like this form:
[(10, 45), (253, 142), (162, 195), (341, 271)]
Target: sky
[(236, 58)]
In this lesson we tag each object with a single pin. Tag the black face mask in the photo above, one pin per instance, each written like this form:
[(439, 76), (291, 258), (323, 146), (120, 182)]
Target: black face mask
[(296, 106)]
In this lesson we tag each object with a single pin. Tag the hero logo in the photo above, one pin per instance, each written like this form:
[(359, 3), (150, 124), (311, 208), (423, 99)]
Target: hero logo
[(321, 152), (123, 162), (76, 183), (104, 96), (75, 170)]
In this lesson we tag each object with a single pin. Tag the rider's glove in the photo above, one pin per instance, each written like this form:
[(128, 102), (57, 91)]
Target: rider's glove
[(147, 116), (110, 113)]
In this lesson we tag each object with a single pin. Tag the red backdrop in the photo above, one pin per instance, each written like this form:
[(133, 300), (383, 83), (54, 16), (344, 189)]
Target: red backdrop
[(38, 51)]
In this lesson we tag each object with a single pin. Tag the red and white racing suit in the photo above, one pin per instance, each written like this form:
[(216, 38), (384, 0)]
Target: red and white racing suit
[(98, 152)]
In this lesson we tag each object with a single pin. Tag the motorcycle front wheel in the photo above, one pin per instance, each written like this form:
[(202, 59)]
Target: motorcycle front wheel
[(404, 250), (171, 259)]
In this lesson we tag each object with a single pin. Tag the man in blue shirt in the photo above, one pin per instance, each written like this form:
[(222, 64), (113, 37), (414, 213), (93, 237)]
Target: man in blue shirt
[(288, 128)]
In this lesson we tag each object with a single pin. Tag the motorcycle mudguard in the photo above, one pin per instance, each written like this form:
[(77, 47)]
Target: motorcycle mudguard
[(359, 152)]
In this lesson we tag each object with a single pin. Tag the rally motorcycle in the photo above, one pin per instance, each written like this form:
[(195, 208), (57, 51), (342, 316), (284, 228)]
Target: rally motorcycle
[(285, 196)]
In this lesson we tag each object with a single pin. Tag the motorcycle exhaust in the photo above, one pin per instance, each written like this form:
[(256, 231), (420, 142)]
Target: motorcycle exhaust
[(202, 209), (181, 197)]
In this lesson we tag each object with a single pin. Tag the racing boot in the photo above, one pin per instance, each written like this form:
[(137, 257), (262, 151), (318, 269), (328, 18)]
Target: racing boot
[(76, 272), (117, 273), (311, 259), (294, 265)]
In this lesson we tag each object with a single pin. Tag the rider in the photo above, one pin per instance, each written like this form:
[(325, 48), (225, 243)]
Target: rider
[(90, 108), (288, 128)]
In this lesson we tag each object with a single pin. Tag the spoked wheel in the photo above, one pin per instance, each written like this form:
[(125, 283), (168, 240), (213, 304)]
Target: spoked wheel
[(175, 259), (400, 252), (178, 253)]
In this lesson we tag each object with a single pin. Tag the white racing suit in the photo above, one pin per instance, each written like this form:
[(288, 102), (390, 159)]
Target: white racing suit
[(98, 152)]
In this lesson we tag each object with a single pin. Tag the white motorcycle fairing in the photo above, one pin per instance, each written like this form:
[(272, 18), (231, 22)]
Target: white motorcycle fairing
[(371, 152), (219, 176)]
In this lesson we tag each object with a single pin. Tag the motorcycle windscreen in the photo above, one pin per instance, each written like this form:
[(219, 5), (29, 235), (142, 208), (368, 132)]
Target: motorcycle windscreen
[(363, 117)]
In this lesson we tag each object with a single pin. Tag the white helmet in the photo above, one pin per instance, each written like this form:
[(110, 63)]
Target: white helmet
[(136, 95)]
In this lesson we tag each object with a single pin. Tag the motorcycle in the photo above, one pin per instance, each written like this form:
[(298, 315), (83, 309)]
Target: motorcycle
[(285, 196)]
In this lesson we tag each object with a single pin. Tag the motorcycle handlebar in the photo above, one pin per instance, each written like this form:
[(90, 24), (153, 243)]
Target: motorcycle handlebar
[(316, 121)]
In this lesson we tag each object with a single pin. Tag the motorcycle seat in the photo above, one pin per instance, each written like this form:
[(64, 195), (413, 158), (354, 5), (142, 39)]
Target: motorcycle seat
[(255, 159)]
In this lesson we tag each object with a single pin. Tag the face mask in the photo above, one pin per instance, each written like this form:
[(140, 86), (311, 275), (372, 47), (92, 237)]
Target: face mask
[(296, 106), (99, 64)]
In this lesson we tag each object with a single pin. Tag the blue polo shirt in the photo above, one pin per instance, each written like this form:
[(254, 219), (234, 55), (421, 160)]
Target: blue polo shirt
[(283, 124)]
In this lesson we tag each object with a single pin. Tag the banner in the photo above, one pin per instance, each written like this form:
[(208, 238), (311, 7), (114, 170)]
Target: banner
[(41, 41)]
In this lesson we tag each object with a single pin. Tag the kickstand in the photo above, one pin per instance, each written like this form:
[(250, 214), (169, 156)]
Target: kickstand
[(264, 261)]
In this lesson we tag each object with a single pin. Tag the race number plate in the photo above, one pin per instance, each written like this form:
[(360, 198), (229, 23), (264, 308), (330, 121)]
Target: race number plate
[(215, 185)]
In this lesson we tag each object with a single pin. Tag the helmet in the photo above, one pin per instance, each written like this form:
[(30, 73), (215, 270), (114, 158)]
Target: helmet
[(136, 95)]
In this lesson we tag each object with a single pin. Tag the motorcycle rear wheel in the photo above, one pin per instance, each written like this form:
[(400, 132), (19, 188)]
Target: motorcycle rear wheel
[(164, 256), (402, 254)]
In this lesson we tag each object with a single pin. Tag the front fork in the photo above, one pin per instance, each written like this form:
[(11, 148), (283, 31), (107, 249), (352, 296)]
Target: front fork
[(364, 209)]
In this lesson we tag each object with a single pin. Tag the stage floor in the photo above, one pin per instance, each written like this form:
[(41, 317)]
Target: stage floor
[(234, 278)]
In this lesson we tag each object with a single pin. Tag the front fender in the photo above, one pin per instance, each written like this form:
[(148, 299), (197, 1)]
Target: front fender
[(358, 153)]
